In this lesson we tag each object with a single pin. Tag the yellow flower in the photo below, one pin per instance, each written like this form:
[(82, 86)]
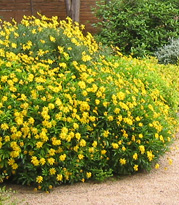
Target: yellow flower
[(8, 64), (63, 65), (59, 177), (51, 160), (138, 141), (106, 133), (31, 120), (4, 78), (83, 180), (136, 167), (11, 161), (78, 136), (7, 139), (82, 143), (30, 77), (157, 166), (91, 149), (128, 121), (51, 106), (123, 105), (110, 118), (161, 138), (4, 126), (39, 144), (52, 39), (150, 107), (14, 166), (14, 45), (122, 161), (119, 118), (1, 105), (39, 187), (135, 156), (75, 125), (120, 142), (76, 148), (82, 84), (86, 58), (150, 155), (51, 152), (142, 149), (52, 171), (19, 120), (14, 154), (42, 161), (105, 104), (35, 161), (60, 49), (99, 94), (39, 179), (92, 118), (140, 124), (97, 102), (141, 136), (80, 156), (121, 95), (170, 161), (169, 139), (21, 144), (115, 145), (103, 151), (84, 93), (88, 175), (117, 110), (62, 157), (84, 106), (137, 118), (34, 130)]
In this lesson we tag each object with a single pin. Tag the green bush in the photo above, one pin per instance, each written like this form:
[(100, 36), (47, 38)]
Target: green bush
[(70, 115), (137, 27)]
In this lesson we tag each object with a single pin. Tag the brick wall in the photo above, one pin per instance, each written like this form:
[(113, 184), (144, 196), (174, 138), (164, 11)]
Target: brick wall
[(17, 8)]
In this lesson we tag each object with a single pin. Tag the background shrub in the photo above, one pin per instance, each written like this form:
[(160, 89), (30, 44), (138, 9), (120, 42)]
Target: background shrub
[(137, 26), (169, 53), (74, 115)]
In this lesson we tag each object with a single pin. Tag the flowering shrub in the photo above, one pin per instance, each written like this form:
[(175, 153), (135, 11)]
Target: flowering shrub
[(68, 113)]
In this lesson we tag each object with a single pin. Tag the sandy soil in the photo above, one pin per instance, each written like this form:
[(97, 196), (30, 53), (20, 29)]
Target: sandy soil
[(160, 187)]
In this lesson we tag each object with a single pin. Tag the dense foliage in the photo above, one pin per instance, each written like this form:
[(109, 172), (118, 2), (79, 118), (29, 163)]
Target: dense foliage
[(69, 113), (137, 27)]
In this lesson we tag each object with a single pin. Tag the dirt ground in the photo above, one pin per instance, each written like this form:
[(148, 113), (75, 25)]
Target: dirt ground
[(160, 187)]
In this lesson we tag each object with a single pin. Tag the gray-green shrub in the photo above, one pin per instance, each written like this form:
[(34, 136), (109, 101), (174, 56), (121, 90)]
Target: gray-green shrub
[(169, 54)]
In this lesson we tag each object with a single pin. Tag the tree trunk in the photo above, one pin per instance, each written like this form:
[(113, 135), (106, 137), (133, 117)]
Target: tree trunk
[(68, 7), (73, 9)]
